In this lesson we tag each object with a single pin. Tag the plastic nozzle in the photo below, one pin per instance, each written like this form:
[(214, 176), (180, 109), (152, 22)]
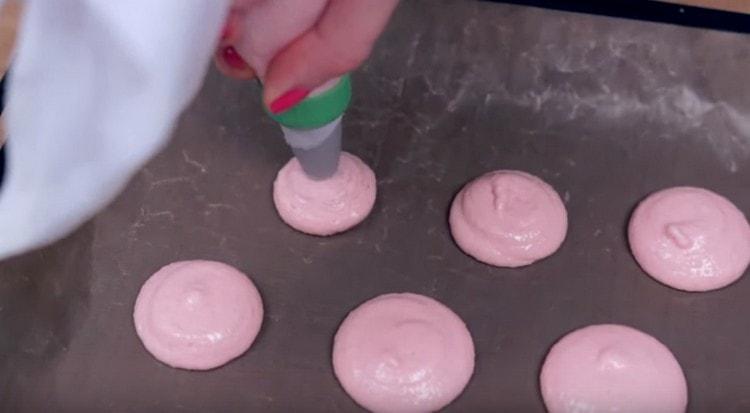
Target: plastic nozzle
[(317, 150)]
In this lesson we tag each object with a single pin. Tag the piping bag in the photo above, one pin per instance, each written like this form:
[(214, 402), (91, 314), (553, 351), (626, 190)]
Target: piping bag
[(94, 91), (96, 88), (312, 128)]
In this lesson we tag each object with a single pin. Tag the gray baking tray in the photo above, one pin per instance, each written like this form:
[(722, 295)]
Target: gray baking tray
[(605, 110)]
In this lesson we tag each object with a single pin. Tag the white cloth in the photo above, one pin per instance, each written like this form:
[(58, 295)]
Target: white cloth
[(95, 89)]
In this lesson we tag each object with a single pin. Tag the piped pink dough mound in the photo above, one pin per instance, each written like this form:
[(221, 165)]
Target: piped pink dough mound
[(198, 315), (690, 238), (508, 219), (328, 206), (612, 368), (403, 353)]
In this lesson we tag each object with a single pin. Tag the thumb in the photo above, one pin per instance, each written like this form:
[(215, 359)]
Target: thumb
[(340, 41)]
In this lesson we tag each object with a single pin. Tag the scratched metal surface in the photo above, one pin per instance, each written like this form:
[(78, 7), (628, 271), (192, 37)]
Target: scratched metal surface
[(605, 110)]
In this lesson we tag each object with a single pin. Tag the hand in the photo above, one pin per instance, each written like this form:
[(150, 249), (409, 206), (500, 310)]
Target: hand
[(337, 43), (227, 60)]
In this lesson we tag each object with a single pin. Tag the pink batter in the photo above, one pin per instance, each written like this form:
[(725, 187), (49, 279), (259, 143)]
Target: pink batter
[(327, 206), (198, 315), (690, 239), (612, 368), (403, 353), (508, 219)]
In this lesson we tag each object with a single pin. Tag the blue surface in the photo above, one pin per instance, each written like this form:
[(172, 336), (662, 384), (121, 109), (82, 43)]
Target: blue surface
[(649, 10)]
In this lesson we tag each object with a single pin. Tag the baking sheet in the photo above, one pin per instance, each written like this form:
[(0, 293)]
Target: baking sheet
[(605, 110)]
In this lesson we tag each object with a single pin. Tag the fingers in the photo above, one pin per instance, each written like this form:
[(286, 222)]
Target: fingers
[(229, 63), (340, 41), (226, 58)]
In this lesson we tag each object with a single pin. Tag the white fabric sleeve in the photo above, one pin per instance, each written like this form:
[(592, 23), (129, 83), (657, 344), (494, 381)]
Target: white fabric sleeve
[(94, 91)]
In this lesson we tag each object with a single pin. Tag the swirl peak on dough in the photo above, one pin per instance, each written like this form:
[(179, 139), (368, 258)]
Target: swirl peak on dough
[(325, 207), (690, 238), (508, 219), (403, 353), (612, 368), (198, 315)]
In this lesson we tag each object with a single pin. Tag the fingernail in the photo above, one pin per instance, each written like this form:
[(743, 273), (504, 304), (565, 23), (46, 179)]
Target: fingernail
[(233, 58), (288, 100)]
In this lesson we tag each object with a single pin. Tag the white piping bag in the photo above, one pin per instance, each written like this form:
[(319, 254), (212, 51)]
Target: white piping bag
[(95, 89)]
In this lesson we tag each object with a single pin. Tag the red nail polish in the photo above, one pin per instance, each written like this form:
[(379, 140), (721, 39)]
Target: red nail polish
[(288, 100), (233, 58), (226, 32)]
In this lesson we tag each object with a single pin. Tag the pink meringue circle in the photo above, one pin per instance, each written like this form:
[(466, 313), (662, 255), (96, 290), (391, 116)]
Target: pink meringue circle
[(198, 315), (690, 239), (612, 368), (403, 353), (508, 219), (329, 206)]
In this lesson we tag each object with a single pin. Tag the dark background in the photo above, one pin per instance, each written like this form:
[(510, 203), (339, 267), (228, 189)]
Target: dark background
[(604, 109)]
